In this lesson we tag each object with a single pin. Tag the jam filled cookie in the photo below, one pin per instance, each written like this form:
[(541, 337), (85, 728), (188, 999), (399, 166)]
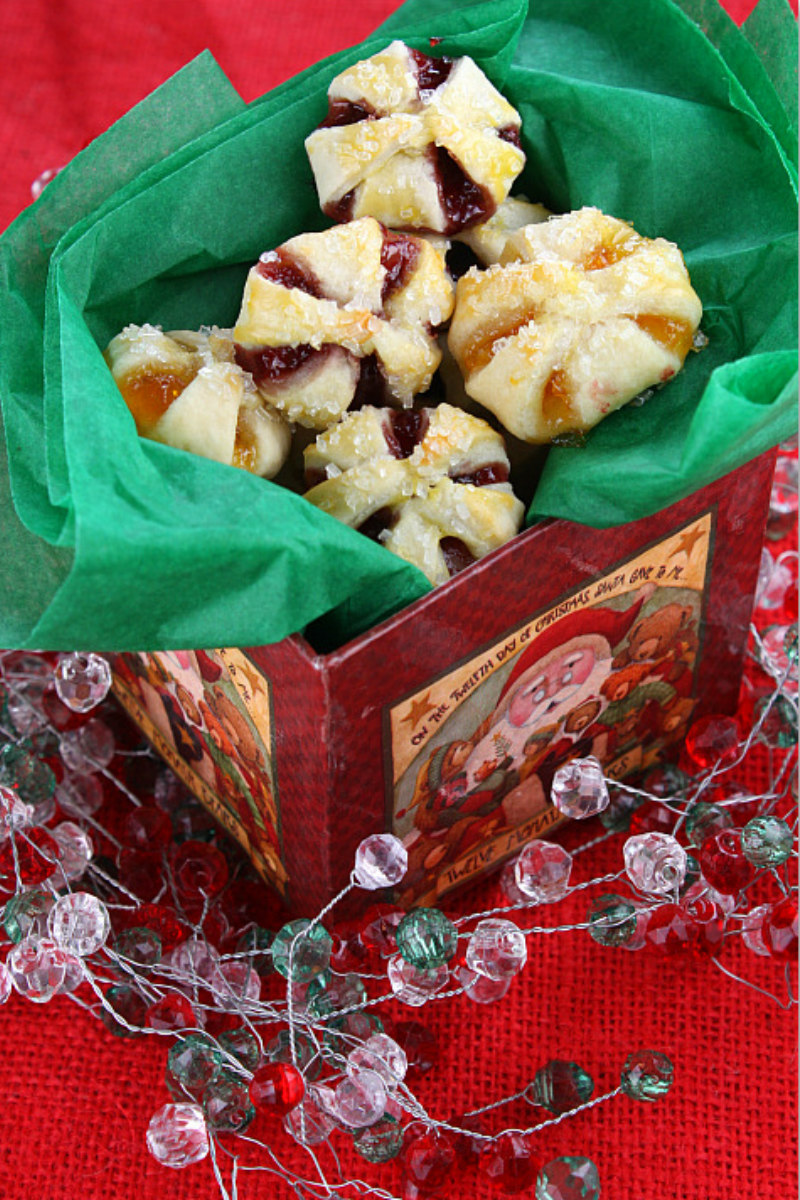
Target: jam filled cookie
[(418, 142), (349, 313), (582, 315), (430, 485), (185, 390)]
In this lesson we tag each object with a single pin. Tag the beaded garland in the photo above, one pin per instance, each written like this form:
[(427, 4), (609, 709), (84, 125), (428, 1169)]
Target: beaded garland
[(137, 909)]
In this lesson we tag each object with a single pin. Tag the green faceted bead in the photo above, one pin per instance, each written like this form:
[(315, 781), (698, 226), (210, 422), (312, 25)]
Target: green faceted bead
[(426, 938), (612, 920), (692, 874), (560, 1086), (333, 994), (191, 1065), (25, 914), (226, 1103), (243, 1046), (343, 1034), (665, 780), (780, 726), (703, 819), (647, 1075), (767, 841), (24, 773), (568, 1178), (381, 1142), (616, 818), (790, 641), (301, 950), (140, 947), (256, 943)]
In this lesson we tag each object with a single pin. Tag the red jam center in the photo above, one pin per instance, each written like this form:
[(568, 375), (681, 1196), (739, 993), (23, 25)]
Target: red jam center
[(404, 429), (399, 255)]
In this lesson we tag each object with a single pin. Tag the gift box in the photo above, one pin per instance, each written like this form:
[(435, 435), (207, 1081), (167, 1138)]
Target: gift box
[(446, 723), (117, 544)]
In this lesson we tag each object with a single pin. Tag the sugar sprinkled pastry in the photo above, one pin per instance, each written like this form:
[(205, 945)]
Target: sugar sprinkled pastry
[(185, 390), (488, 240), (431, 484), (416, 141), (581, 315), (348, 311)]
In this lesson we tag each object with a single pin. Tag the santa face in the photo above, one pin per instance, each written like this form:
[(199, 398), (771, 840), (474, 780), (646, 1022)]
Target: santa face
[(540, 692)]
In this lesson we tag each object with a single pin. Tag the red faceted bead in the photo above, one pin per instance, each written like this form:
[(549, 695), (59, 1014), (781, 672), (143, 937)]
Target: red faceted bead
[(420, 1045), (141, 874), (171, 1013), (158, 917), (348, 954), (723, 863), (37, 856), (711, 741), (380, 928), (652, 818), (509, 1163), (780, 929), (199, 870), (428, 1159), (147, 830), (673, 930), (469, 1148), (277, 1088)]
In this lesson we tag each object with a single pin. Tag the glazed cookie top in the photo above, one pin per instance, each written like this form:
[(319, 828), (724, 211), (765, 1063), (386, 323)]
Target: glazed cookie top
[(419, 142), (356, 289), (185, 390), (581, 315), (431, 484)]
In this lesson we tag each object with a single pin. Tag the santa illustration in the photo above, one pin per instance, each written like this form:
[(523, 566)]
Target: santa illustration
[(546, 713)]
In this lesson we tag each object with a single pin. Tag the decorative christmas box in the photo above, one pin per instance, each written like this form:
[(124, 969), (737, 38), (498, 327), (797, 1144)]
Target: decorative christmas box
[(446, 723)]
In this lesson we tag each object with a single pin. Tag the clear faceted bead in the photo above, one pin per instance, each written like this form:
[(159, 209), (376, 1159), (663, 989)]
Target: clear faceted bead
[(75, 849), (37, 969), (480, 989), (579, 789), (753, 931), (5, 983), (82, 681), (568, 1178), (647, 1075), (655, 862), (177, 1135), (235, 981), (542, 871), (381, 1054), (24, 707), (193, 961), (79, 795), (510, 888), (14, 814), (497, 949), (426, 938), (361, 1099), (301, 950), (767, 841), (87, 749), (308, 1122), (327, 995), (79, 922), (415, 985), (381, 861)]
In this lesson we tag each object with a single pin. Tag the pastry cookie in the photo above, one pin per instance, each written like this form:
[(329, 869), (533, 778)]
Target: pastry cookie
[(430, 485), (350, 310), (185, 390), (488, 240), (418, 142), (581, 315)]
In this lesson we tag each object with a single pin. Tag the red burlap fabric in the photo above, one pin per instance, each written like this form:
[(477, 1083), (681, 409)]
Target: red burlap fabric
[(76, 1101)]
